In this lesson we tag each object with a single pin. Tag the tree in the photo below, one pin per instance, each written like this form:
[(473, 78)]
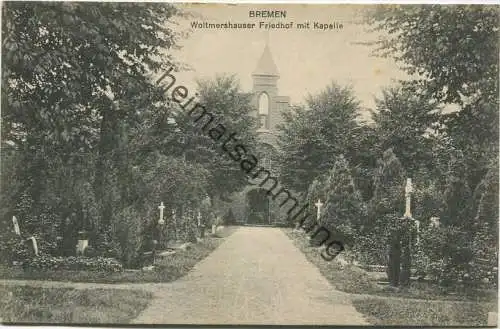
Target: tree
[(386, 211), (453, 48), (75, 75), (345, 211), (457, 196), (222, 96), (311, 138), (453, 53), (405, 121)]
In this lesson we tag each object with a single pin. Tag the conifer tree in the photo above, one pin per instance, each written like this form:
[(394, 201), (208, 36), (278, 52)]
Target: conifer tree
[(386, 210), (344, 210)]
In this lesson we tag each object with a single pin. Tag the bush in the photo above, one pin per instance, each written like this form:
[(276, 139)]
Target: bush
[(448, 256), (46, 262), (90, 252), (128, 231), (13, 248), (229, 218)]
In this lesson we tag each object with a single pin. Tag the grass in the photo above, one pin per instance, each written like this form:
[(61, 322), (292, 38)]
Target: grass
[(423, 303), (167, 269), (24, 304), (411, 312), (348, 278)]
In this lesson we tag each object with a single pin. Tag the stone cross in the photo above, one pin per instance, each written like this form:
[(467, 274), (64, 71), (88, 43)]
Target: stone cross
[(161, 207), (408, 192), (318, 205), (16, 225)]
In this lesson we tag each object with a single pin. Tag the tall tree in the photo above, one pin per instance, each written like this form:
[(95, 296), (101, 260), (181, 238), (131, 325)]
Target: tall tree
[(457, 197), (453, 53), (345, 211), (74, 75), (405, 121), (311, 137), (453, 48), (386, 210), (231, 107)]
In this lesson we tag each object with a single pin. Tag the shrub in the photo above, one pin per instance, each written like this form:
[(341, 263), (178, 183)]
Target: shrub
[(90, 252), (448, 255), (47, 262), (13, 248), (128, 232), (229, 218)]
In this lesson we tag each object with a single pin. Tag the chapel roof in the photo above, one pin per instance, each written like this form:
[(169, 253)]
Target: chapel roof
[(266, 65)]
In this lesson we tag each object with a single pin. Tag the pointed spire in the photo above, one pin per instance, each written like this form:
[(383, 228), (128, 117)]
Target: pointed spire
[(266, 65)]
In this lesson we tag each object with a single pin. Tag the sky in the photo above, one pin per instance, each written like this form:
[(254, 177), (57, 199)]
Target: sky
[(307, 60)]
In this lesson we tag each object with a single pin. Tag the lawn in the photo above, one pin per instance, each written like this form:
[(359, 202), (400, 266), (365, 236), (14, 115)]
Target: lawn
[(168, 268), (67, 305), (412, 312), (422, 303)]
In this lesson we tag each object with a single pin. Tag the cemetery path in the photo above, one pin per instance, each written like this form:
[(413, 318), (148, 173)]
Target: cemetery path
[(257, 276)]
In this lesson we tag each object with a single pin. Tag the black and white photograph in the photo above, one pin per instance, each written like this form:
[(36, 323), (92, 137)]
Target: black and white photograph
[(175, 163)]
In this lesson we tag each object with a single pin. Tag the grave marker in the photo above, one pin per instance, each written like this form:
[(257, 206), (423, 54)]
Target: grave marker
[(83, 243), (318, 205), (16, 225), (34, 245), (161, 207), (408, 192)]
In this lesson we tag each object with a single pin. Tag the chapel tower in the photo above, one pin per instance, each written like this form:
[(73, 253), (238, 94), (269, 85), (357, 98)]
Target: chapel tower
[(252, 205), (266, 100)]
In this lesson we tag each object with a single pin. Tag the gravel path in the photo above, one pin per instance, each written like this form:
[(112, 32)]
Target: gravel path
[(257, 276)]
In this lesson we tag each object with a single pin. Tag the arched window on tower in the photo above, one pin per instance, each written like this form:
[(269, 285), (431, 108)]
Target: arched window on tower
[(264, 110)]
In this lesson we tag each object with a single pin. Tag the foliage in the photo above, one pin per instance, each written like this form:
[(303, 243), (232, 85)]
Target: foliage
[(388, 195), (127, 232), (386, 221), (168, 268), (486, 199), (455, 48), (77, 80), (47, 262), (311, 138), (229, 218), (457, 195), (344, 211), (13, 249), (414, 116), (223, 97), (452, 52)]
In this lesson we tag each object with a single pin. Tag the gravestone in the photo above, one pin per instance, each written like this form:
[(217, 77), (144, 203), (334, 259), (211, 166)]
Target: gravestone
[(16, 225), (82, 244), (34, 245), (318, 205), (434, 222)]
